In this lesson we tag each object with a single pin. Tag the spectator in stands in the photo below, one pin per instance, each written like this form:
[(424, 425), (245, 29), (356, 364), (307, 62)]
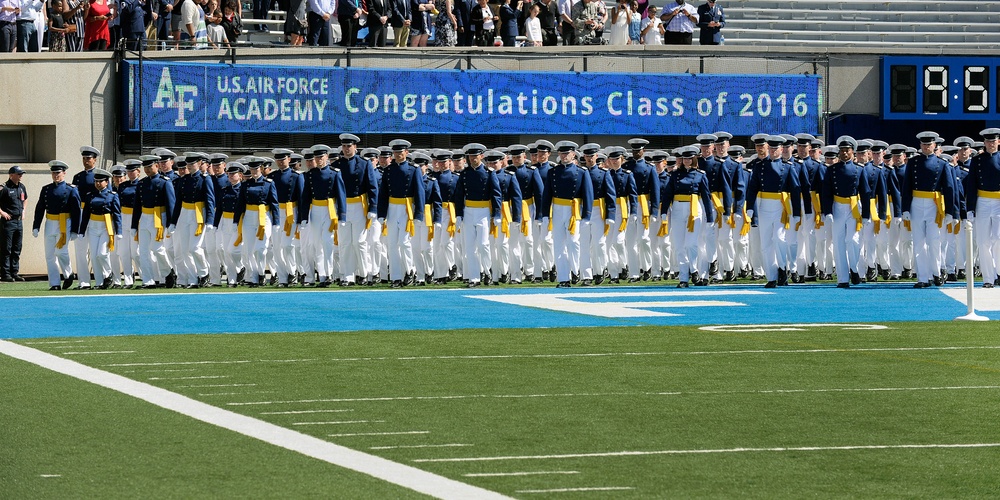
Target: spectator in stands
[(680, 19), (132, 21), (533, 27), (233, 25), (463, 12), (57, 28), (194, 32), (652, 28), (8, 24), (485, 23), (587, 22), (547, 20), (319, 15), (378, 19), (164, 19), (566, 26), (349, 15), (711, 20), (114, 28), (260, 8), (635, 23), (621, 15), (295, 22), (27, 35), (73, 17), (213, 25), (420, 22), (96, 34), (446, 24), (399, 18), (508, 22)]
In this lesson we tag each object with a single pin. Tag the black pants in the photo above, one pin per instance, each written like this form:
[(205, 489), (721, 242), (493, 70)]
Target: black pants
[(677, 38), (549, 38), (348, 31), (568, 33), (319, 30), (11, 234), (376, 34), (485, 38)]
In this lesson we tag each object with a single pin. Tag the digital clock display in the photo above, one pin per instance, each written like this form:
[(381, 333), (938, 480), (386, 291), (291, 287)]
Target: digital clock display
[(940, 88)]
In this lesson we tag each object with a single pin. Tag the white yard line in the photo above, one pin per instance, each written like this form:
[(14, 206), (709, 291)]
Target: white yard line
[(341, 422), (386, 470), (80, 353), (213, 385), (41, 342), (526, 473), (621, 394), (713, 451), (188, 378), (234, 393), (50, 475), (397, 433), (573, 490), (224, 362), (446, 445), (300, 412)]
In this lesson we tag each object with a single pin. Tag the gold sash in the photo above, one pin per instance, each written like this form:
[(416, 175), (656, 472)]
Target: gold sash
[(62, 227), (408, 203), (199, 215), (623, 210), (938, 202), (855, 203), (574, 214), (157, 213)]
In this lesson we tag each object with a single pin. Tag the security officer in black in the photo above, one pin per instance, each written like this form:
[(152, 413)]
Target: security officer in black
[(12, 199)]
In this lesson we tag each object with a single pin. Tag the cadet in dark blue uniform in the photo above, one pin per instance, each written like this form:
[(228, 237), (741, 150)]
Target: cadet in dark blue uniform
[(928, 203), (289, 185), (638, 237), (688, 188), (444, 240), (569, 197), (59, 204), (362, 204), (876, 203), (101, 225), (193, 215), (260, 220), (510, 216), (84, 182), (740, 226), (400, 208), (423, 236), (544, 258), (478, 202), (323, 205), (126, 249), (229, 211), (627, 203), (773, 181), (722, 200), (808, 151), (959, 259), (214, 246), (523, 265), (845, 187), (594, 234), (154, 202), (983, 205)]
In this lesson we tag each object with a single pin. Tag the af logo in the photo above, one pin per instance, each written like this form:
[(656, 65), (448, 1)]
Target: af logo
[(176, 97)]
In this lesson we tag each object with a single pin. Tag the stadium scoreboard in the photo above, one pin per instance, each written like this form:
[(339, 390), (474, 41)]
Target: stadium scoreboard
[(940, 88)]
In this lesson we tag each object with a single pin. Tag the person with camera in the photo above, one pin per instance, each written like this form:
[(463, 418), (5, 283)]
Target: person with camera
[(680, 19), (587, 22), (621, 14), (711, 20)]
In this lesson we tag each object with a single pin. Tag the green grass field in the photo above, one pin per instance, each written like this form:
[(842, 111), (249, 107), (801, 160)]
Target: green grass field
[(713, 414)]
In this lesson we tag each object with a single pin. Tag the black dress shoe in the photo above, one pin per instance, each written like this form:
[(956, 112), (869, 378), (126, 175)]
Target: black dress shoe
[(472, 284), (728, 276), (921, 284), (563, 284), (18, 277), (598, 279), (396, 284), (907, 274), (56, 287), (683, 284), (587, 282), (106, 283), (782, 277), (855, 278), (987, 285), (645, 275), (67, 282), (952, 277), (961, 274), (771, 284), (843, 285), (614, 281), (701, 282), (871, 275), (574, 278), (938, 281)]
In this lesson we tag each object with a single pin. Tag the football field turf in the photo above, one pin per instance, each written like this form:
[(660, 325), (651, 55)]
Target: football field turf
[(522, 405)]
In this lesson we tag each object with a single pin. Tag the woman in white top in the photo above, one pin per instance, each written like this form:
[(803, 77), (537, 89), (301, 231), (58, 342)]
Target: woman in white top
[(620, 17), (652, 28), (533, 27)]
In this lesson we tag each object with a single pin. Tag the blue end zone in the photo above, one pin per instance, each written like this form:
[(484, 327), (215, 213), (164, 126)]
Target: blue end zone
[(334, 310)]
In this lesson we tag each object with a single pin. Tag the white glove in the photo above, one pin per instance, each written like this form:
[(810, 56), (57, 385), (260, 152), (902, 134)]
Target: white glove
[(73, 236), (609, 222), (829, 218), (496, 222), (275, 229), (343, 223), (132, 233), (34, 232), (118, 236), (458, 221), (633, 217), (304, 224), (749, 214), (654, 221), (371, 215), (381, 220), (209, 228), (171, 229), (948, 219), (906, 215), (437, 225), (897, 220), (970, 216), (968, 225), (545, 221)]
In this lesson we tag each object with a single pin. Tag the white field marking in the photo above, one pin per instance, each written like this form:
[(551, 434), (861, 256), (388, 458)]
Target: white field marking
[(173, 370), (866, 349), (213, 385), (188, 378), (74, 346), (796, 327), (622, 394), (712, 451), (300, 412), (446, 445), (80, 353), (40, 342), (563, 302), (380, 468), (50, 475), (983, 299), (397, 433), (572, 490), (526, 473), (341, 422), (227, 362), (234, 393)]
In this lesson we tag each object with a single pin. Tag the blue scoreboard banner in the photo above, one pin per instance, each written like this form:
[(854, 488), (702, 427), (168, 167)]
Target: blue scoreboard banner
[(940, 88), (177, 97)]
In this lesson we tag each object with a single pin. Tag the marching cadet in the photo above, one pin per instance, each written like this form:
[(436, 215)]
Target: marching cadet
[(166, 167), (213, 244), (289, 184), (845, 189), (194, 214), (928, 194), (638, 238), (59, 204), (727, 237), (544, 258), (626, 204), (362, 204), (824, 234), (896, 155), (84, 182), (876, 207), (126, 251), (804, 200), (889, 209), (983, 205), (510, 216), (260, 219), (772, 180), (663, 257), (154, 202), (569, 198), (963, 164), (681, 217), (722, 200), (378, 235), (805, 259), (423, 250), (442, 243), (101, 225), (739, 223), (529, 181), (594, 233), (229, 210), (478, 203), (323, 205), (400, 208)]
